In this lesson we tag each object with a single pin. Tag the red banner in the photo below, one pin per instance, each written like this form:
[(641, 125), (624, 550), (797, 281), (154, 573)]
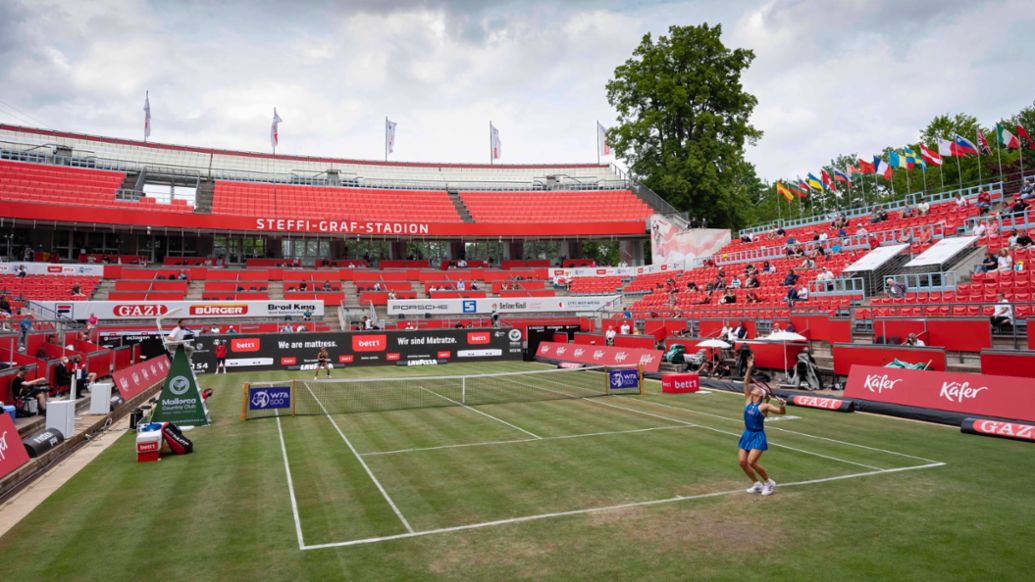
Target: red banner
[(135, 379), (12, 452), (600, 355), (976, 394), (680, 383), (998, 428)]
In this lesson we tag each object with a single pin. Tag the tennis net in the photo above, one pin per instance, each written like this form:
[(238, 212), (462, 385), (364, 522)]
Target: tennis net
[(336, 396)]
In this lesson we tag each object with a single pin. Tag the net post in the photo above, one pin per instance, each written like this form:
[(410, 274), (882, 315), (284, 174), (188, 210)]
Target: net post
[(639, 373), (244, 400), (294, 390), (607, 381), (463, 389)]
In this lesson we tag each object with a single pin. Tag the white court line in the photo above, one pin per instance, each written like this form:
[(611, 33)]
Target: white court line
[(380, 488), (592, 510), (485, 414), (291, 485), (789, 431), (514, 441), (719, 430)]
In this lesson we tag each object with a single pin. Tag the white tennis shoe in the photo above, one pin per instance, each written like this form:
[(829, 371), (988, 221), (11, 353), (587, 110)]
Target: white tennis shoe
[(755, 488), (768, 488)]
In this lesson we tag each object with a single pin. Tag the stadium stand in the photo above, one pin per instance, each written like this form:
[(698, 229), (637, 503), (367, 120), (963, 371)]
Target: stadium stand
[(601, 206)]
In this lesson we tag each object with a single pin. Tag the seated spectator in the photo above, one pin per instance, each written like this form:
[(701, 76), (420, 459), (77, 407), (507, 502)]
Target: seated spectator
[(735, 283), (861, 231), (792, 296), (961, 202), (803, 292), (27, 389), (737, 333), (1024, 240), (231, 330), (893, 289), (1003, 313), (912, 340), (303, 286), (77, 291), (752, 282), (808, 263), (768, 268), (752, 297), (22, 273), (1005, 261), (287, 328), (989, 264), (691, 286), (1028, 190), (5, 305), (980, 229), (307, 315), (923, 208), (1019, 206), (327, 286), (908, 212), (240, 288), (984, 202), (791, 279), (780, 231), (728, 298), (609, 335)]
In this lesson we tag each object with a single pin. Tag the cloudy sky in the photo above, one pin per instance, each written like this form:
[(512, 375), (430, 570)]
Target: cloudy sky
[(831, 76)]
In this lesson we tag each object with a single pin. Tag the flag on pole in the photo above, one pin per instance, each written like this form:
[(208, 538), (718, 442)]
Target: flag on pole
[(866, 167), (274, 130), (815, 183), (962, 146), (783, 191), (841, 176), (389, 136), (803, 188), (912, 159), (930, 156), (1023, 133), (852, 170), (983, 143), (603, 148), (147, 115), (1006, 138), (896, 161), (828, 182), (946, 148), (882, 168), (494, 142)]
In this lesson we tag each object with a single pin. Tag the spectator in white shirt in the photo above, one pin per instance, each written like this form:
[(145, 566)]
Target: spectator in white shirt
[(178, 337), (961, 202), (980, 229), (1003, 313), (1005, 261), (912, 340), (609, 336), (625, 328)]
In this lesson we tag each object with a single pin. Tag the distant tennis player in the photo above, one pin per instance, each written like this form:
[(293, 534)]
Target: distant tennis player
[(323, 362), (753, 442)]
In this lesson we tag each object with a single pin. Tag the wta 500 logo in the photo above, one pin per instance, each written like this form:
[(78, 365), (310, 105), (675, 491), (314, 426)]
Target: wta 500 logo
[(878, 383)]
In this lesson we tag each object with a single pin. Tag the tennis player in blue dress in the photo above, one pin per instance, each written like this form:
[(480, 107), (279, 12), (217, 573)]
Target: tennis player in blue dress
[(753, 442)]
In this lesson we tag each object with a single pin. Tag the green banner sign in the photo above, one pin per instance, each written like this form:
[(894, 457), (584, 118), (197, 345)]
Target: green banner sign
[(180, 402)]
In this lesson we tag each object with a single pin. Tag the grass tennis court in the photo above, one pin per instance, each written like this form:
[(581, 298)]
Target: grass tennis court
[(617, 487)]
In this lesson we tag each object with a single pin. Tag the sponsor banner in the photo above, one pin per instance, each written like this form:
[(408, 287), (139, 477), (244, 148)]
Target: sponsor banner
[(53, 269), (835, 404), (680, 383), (670, 243), (82, 310), (139, 377), (570, 303), (613, 271), (623, 379), (600, 355), (180, 401), (12, 451), (269, 398), (998, 428), (971, 394), (151, 343), (298, 351), (421, 362)]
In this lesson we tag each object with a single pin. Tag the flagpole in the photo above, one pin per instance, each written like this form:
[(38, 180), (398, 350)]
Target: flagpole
[(959, 171), (597, 129), (490, 143), (999, 153), (386, 138), (980, 179)]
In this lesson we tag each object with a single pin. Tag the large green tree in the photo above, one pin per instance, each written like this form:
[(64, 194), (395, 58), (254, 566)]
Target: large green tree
[(683, 121)]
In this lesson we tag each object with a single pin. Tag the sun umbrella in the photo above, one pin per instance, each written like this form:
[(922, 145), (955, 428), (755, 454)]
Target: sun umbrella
[(784, 337), (714, 343)]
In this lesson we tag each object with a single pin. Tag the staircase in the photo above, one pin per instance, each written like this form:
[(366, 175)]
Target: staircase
[(461, 209), (132, 183), (194, 289), (203, 197), (102, 290), (276, 290)]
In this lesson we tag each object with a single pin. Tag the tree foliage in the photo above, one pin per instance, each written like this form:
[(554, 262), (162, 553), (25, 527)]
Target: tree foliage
[(683, 122)]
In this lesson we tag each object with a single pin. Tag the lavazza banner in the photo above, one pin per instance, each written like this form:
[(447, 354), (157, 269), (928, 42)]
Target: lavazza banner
[(571, 303), (82, 310), (969, 394), (298, 351)]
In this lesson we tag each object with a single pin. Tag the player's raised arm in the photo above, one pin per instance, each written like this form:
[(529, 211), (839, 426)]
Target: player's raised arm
[(747, 376), (776, 406)]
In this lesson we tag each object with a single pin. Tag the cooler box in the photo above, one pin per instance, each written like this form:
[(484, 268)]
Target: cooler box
[(680, 383), (61, 417), (10, 410), (149, 445), (100, 397)]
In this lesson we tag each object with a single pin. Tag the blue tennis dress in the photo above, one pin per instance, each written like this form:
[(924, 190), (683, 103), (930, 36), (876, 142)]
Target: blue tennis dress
[(754, 429)]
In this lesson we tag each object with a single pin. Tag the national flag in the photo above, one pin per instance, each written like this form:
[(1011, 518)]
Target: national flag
[(803, 188), (783, 191), (897, 161), (828, 181), (389, 136), (147, 115), (930, 156), (1006, 138), (1023, 133), (912, 159), (946, 149), (983, 143), (603, 148), (852, 170), (797, 189), (815, 183), (881, 168), (495, 145), (274, 129), (866, 167), (842, 176), (962, 146)]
